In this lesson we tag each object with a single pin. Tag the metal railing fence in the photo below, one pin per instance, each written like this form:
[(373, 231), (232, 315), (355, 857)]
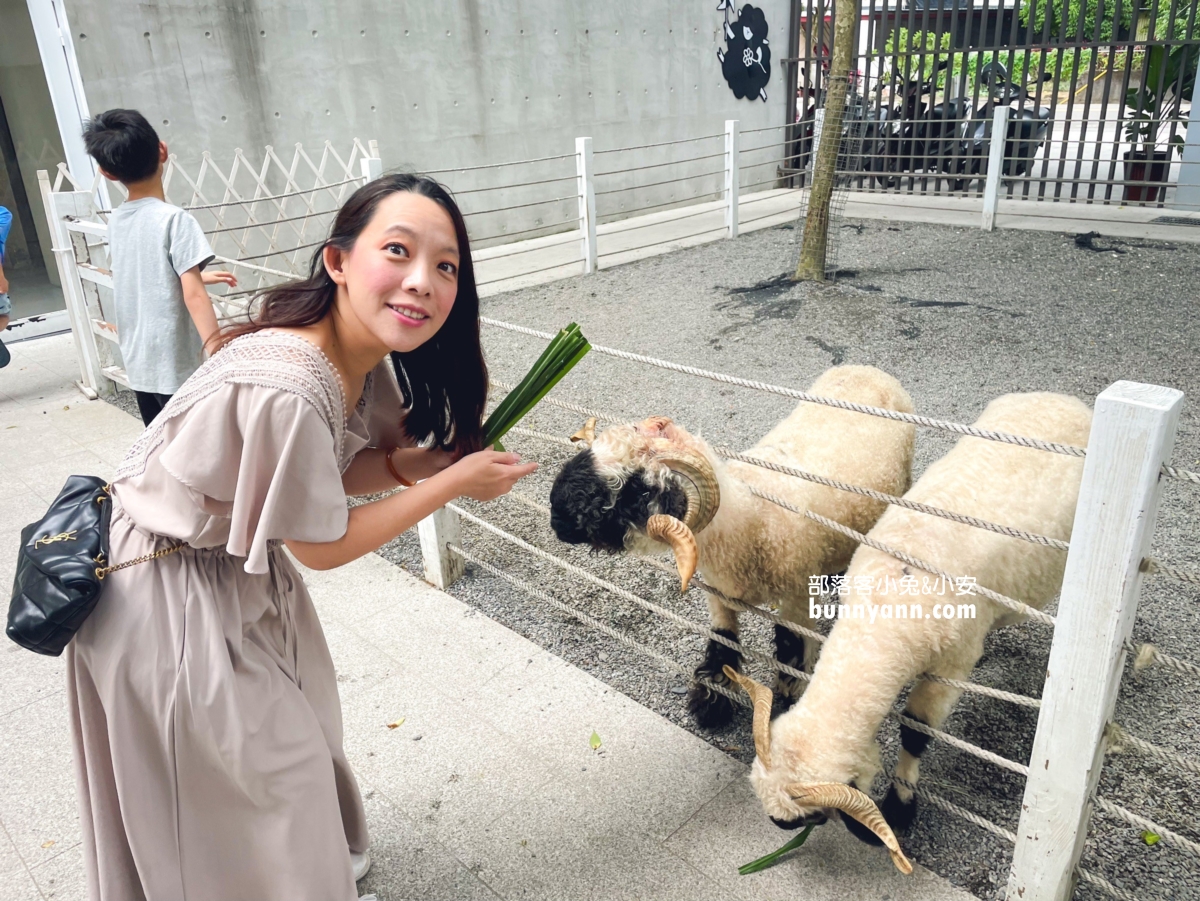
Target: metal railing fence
[(1110, 80)]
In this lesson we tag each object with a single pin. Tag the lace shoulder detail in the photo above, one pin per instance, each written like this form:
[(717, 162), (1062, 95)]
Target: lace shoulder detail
[(368, 394), (268, 359)]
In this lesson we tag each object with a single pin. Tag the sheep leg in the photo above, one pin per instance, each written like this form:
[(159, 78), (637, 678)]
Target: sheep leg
[(929, 703), (711, 709), (793, 650)]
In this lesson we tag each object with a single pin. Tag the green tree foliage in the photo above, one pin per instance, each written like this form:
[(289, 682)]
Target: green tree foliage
[(961, 73), (1102, 20)]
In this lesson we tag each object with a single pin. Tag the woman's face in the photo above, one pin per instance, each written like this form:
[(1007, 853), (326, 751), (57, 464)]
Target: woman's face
[(401, 276)]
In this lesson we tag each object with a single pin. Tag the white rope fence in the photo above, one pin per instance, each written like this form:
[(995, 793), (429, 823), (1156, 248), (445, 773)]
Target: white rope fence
[(1016, 606), (594, 623), (1119, 740), (1181, 474), (974, 750), (1099, 882), (796, 628), (1151, 566), (1146, 655), (1129, 817), (1008, 531), (940, 424), (756, 656), (960, 812), (730, 454), (943, 425), (584, 574)]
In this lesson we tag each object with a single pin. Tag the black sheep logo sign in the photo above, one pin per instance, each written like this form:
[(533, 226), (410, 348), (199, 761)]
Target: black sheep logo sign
[(746, 59)]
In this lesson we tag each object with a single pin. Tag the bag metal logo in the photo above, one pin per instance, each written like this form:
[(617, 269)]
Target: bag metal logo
[(51, 539)]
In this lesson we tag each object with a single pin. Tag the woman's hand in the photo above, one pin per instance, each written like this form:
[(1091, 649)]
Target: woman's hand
[(482, 476), (488, 474)]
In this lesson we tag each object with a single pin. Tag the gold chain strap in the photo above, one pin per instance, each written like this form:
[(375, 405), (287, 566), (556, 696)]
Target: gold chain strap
[(102, 571)]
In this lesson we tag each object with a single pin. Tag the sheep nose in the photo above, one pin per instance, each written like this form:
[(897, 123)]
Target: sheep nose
[(809, 819)]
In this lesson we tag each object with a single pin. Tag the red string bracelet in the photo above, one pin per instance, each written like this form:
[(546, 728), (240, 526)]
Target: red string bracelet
[(391, 468)]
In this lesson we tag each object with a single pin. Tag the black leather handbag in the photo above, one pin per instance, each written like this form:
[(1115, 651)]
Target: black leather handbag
[(61, 567)]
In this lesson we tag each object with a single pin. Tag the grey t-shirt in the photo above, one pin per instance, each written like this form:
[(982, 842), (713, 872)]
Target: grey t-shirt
[(151, 244)]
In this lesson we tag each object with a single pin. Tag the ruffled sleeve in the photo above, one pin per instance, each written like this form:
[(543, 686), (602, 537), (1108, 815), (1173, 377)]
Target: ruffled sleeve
[(256, 464)]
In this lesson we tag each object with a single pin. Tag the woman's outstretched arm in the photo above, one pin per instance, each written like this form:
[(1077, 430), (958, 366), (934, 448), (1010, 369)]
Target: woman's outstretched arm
[(482, 476), (368, 472)]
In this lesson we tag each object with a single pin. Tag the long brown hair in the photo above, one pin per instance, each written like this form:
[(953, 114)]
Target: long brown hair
[(444, 381)]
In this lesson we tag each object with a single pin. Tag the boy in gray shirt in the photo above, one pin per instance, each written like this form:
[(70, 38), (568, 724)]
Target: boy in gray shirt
[(158, 252)]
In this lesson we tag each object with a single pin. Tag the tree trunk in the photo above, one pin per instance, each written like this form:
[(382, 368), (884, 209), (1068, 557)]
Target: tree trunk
[(816, 224)]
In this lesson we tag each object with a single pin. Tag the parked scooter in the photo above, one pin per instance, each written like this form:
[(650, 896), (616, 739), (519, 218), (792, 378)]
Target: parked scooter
[(911, 135), (1026, 132)]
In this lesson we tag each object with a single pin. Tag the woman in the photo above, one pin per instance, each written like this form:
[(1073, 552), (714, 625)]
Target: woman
[(206, 720)]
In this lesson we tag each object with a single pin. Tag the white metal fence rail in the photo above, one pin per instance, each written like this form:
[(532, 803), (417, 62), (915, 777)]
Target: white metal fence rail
[(263, 222)]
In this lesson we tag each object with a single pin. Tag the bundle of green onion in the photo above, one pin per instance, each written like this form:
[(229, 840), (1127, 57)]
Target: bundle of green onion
[(763, 862), (566, 349)]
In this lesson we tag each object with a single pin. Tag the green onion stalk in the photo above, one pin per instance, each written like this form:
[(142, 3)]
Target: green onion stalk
[(763, 862), (566, 349)]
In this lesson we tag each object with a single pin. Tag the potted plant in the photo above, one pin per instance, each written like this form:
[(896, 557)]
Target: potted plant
[(1170, 79)]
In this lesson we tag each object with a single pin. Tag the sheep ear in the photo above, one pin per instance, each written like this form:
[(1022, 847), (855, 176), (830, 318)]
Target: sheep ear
[(587, 434)]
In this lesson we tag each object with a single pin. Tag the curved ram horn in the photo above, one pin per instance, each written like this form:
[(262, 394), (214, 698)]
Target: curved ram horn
[(851, 801), (675, 532), (761, 696), (656, 423), (699, 483), (587, 434)]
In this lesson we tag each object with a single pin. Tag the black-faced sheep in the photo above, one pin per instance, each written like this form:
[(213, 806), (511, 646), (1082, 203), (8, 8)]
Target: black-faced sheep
[(641, 486), (829, 735)]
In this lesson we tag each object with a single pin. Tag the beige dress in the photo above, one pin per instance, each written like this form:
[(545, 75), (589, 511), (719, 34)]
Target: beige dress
[(204, 707)]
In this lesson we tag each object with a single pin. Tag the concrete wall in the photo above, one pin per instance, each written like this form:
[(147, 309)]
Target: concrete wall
[(31, 121), (438, 84)]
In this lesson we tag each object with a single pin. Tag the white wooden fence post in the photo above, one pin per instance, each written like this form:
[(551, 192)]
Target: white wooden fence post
[(732, 157), (1187, 193), (442, 568), (587, 201), (1132, 435), (991, 188), (818, 126), (372, 168), (92, 381)]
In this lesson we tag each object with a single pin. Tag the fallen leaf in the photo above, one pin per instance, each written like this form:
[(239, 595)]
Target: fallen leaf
[(11, 427), (67, 407), (397, 724), (594, 741), (1150, 838), (49, 844)]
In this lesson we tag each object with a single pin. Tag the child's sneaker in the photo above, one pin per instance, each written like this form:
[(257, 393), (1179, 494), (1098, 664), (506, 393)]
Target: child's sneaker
[(5, 356), (361, 864)]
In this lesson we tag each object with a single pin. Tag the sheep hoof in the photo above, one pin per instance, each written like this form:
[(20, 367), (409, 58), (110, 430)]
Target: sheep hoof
[(898, 813), (709, 709), (783, 701)]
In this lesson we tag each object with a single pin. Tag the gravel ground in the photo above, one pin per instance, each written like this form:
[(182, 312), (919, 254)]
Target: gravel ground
[(959, 316)]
